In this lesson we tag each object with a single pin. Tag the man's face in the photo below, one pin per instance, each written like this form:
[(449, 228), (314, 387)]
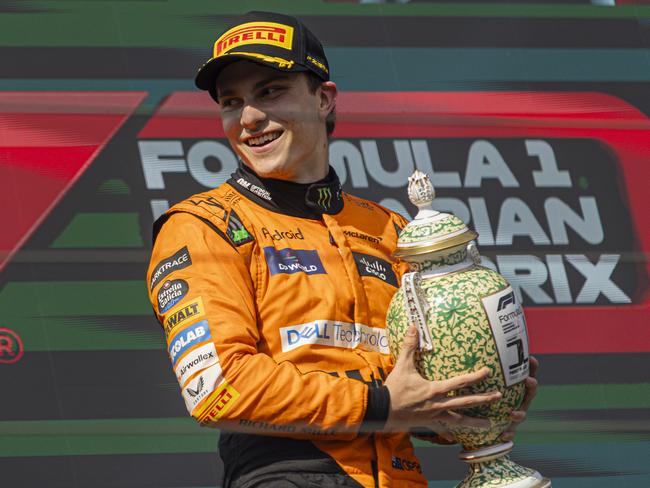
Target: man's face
[(273, 121)]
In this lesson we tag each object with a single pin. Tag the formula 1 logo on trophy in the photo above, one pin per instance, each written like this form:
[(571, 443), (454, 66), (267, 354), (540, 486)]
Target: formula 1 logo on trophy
[(468, 317)]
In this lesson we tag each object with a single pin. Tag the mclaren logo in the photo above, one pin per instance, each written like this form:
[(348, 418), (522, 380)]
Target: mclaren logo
[(506, 300), (324, 197)]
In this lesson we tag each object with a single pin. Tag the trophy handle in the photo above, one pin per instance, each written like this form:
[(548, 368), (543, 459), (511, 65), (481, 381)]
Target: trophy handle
[(416, 308)]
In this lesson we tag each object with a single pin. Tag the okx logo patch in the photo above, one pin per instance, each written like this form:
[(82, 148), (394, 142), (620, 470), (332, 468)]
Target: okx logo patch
[(290, 261), (368, 265), (236, 230)]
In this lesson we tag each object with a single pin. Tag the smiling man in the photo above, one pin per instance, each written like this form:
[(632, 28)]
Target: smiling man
[(274, 309)]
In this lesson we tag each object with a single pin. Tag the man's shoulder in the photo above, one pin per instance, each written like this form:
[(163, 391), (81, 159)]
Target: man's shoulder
[(211, 203), (214, 207), (374, 209)]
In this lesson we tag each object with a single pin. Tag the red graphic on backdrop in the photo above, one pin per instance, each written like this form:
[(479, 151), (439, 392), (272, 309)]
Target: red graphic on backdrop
[(11, 346), (47, 141), (620, 127)]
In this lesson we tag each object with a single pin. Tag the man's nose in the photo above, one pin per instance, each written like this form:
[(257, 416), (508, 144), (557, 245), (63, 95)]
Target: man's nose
[(252, 117)]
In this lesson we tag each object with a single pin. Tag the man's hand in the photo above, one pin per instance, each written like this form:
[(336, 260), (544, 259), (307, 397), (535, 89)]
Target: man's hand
[(415, 401), (518, 416)]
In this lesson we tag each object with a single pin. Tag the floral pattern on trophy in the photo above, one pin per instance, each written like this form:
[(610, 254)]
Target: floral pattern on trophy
[(456, 320)]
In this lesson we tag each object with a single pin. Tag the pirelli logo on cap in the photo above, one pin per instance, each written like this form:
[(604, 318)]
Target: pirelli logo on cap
[(269, 33)]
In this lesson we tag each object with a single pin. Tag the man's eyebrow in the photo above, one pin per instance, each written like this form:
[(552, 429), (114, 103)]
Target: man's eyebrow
[(258, 85)]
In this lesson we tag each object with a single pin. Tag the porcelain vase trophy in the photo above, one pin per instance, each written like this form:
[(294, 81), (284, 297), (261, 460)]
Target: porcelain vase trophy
[(468, 316)]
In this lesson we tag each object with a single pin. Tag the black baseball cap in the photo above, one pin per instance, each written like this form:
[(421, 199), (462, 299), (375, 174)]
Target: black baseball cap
[(279, 41)]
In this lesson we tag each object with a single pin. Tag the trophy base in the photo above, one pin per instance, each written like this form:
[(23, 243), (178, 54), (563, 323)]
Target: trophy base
[(491, 467)]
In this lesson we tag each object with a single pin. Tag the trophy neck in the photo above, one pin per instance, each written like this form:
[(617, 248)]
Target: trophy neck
[(435, 260)]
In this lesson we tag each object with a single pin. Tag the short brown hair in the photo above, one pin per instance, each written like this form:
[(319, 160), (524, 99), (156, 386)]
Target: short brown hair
[(313, 82)]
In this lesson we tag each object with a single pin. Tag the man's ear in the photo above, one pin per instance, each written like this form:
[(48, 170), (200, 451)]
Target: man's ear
[(327, 97)]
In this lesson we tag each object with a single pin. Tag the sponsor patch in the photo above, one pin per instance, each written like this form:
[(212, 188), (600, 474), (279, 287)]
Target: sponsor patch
[(201, 386), (187, 338), (368, 265), (278, 235), (181, 314), (269, 33), (236, 231), (181, 259), (405, 464), (509, 330), (196, 360), (290, 261), (361, 236), (334, 334), (171, 293), (223, 398)]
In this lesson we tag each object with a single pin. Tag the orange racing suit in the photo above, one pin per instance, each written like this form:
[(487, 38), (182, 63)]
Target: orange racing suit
[(273, 299)]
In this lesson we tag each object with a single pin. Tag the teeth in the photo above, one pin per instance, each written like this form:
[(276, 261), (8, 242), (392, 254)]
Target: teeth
[(263, 139)]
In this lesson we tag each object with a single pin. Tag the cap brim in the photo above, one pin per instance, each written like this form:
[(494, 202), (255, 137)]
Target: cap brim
[(208, 73)]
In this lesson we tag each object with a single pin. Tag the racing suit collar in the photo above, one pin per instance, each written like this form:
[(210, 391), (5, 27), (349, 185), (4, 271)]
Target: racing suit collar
[(305, 200)]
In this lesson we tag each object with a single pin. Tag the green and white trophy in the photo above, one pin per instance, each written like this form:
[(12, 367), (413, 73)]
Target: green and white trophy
[(468, 317)]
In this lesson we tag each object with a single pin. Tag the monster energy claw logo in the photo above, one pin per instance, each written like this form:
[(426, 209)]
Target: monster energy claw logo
[(324, 197)]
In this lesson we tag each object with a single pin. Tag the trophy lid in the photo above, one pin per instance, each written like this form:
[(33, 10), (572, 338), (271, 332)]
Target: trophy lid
[(430, 231)]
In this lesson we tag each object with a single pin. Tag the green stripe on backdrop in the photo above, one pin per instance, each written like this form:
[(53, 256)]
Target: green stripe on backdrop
[(101, 436), (86, 333), (175, 435), (101, 230), (185, 24), (70, 298)]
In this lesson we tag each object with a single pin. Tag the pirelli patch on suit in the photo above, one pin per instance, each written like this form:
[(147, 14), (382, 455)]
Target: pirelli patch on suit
[(218, 404)]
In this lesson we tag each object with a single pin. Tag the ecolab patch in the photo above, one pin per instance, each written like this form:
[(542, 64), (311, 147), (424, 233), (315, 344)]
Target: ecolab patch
[(196, 360), (179, 260), (290, 261), (269, 33), (368, 265), (509, 331), (181, 314), (197, 333), (201, 386), (334, 334), (236, 231), (171, 293)]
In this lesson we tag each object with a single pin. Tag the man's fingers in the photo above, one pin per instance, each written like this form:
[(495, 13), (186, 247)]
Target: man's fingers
[(410, 344), (531, 391), (467, 401), (462, 381), (533, 366), (517, 416)]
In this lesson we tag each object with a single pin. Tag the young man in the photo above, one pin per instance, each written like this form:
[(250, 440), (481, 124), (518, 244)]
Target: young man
[(275, 326)]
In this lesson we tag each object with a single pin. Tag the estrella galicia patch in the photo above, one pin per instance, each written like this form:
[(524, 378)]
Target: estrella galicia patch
[(290, 261), (368, 265), (236, 231), (179, 260), (171, 293)]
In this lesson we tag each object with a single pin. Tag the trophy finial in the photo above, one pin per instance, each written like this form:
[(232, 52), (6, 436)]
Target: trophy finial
[(421, 193)]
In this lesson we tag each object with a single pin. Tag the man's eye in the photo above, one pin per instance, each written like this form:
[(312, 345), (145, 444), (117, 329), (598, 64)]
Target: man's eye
[(271, 90)]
